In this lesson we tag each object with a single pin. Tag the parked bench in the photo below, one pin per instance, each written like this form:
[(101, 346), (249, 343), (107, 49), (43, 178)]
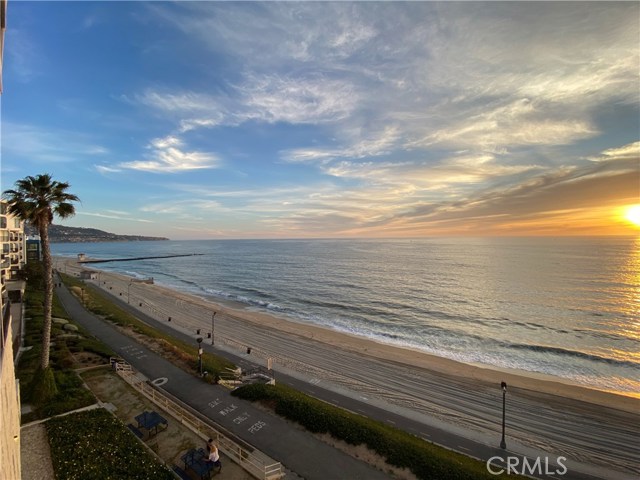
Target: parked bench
[(135, 430), (181, 473), (196, 460), (151, 421)]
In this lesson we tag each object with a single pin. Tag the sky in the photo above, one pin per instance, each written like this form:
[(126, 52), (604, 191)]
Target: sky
[(197, 120)]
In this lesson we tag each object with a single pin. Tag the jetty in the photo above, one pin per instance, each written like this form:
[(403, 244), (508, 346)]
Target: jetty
[(131, 259)]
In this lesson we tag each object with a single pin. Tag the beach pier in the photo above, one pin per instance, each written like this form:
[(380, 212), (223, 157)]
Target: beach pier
[(83, 259)]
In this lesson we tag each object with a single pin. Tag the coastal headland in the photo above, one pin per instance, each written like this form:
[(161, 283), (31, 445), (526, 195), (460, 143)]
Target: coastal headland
[(585, 425)]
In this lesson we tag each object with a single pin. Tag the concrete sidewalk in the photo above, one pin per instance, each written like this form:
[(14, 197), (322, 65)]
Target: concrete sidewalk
[(297, 450)]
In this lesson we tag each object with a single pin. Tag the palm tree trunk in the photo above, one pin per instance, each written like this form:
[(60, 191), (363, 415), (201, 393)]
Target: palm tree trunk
[(48, 295)]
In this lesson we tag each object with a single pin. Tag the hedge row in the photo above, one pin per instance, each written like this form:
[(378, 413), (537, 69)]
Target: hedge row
[(95, 445), (399, 448)]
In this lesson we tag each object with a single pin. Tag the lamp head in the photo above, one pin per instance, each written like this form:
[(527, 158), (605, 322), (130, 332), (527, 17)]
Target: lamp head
[(504, 386)]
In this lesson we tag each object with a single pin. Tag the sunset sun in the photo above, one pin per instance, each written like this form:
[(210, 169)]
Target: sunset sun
[(633, 215)]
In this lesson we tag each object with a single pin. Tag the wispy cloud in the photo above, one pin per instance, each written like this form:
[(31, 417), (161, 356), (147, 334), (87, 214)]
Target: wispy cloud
[(626, 152), (438, 199), (180, 103), (303, 32), (46, 144), (263, 98), (21, 56), (520, 123), (104, 169), (167, 156), (272, 98), (89, 21), (191, 209), (117, 216), (448, 83), (376, 144)]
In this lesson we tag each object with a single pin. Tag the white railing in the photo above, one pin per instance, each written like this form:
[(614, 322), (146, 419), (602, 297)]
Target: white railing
[(253, 461), (120, 365)]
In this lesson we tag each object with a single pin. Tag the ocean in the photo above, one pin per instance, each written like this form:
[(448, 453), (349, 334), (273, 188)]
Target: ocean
[(567, 307)]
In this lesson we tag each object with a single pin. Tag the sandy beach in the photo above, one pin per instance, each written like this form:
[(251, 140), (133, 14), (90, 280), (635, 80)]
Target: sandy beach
[(544, 412)]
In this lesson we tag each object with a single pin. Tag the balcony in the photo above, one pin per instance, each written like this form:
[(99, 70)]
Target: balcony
[(6, 321)]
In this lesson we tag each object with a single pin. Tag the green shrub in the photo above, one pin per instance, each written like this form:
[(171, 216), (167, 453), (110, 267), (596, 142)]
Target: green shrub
[(61, 356), (71, 399), (95, 445), (43, 387), (399, 448), (95, 346), (68, 380)]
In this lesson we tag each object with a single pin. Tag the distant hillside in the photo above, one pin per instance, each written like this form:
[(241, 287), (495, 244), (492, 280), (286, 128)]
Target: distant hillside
[(60, 234)]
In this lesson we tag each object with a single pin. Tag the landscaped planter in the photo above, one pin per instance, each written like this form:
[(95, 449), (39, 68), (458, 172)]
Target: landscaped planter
[(95, 445)]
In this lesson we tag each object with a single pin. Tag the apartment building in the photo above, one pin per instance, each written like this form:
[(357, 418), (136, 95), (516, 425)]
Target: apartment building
[(12, 259), (13, 241)]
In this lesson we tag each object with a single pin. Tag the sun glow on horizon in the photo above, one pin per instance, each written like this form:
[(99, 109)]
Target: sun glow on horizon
[(632, 215)]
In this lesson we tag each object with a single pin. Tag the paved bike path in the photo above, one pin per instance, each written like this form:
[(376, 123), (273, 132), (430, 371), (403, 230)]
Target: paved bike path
[(298, 450)]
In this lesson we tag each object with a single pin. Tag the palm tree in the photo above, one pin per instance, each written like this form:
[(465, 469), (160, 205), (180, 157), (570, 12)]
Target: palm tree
[(36, 200)]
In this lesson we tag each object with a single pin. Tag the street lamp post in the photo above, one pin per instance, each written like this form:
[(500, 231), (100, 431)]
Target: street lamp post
[(129, 292), (503, 443), (213, 328), (199, 340)]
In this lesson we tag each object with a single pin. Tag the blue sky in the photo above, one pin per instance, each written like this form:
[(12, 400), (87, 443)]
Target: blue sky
[(265, 120)]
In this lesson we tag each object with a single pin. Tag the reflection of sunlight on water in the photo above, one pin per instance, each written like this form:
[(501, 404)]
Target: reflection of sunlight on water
[(624, 355), (630, 276), (628, 388)]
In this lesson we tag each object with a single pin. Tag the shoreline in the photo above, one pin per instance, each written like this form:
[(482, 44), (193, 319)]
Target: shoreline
[(449, 366), (535, 384)]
